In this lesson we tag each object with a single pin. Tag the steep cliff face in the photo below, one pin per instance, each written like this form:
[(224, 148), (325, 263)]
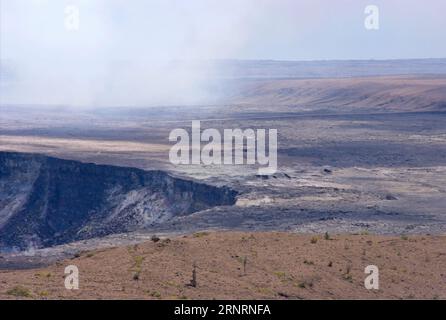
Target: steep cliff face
[(46, 201)]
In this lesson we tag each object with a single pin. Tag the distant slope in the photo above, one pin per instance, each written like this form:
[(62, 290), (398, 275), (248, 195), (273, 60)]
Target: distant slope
[(46, 201), (338, 85), (276, 69), (418, 84), (408, 93)]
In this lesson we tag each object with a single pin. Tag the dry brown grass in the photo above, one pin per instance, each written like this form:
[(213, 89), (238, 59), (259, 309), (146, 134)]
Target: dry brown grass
[(278, 266)]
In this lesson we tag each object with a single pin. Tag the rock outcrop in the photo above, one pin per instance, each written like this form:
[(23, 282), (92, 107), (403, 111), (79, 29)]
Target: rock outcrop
[(46, 201)]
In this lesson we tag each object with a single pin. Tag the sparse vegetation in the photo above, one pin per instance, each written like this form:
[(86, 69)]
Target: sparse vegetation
[(163, 243), (313, 240), (20, 291), (43, 274), (283, 294), (137, 267), (264, 291), (305, 284), (200, 234), (138, 262), (43, 293), (193, 281), (154, 294), (347, 275), (292, 267), (284, 277)]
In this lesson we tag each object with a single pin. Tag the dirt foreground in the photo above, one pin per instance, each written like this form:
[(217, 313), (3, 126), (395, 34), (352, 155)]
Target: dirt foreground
[(236, 265)]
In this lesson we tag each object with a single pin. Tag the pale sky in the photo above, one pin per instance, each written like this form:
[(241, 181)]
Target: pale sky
[(150, 33)]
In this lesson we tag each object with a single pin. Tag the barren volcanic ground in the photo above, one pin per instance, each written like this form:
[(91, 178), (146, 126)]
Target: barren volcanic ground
[(363, 155), (235, 265), (354, 154)]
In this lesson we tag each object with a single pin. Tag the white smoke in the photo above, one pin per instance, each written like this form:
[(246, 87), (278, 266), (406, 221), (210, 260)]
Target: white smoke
[(145, 52), (140, 53)]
